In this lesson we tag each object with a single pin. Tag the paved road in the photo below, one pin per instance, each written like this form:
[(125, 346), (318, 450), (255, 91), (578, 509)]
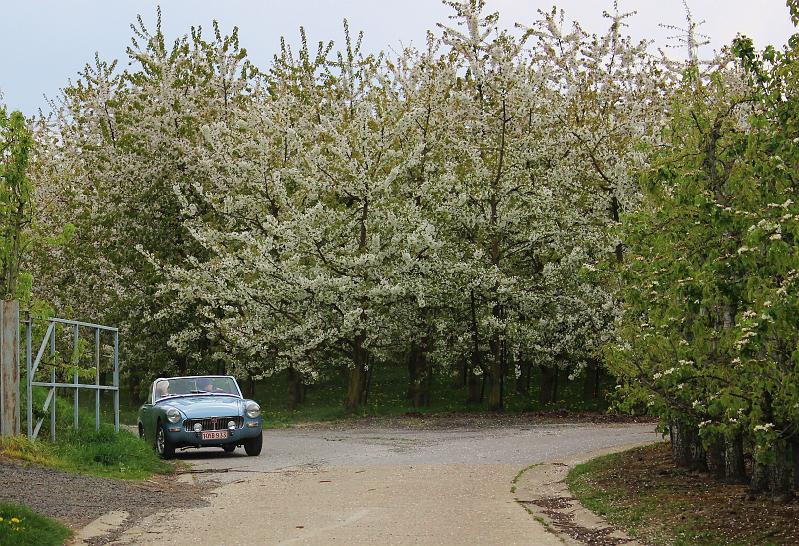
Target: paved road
[(377, 486)]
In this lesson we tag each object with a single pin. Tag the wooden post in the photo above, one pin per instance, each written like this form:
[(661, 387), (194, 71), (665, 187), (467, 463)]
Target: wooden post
[(9, 368)]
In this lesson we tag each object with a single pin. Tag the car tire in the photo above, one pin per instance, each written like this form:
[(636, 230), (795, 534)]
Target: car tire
[(253, 445), (141, 431), (229, 448), (163, 446)]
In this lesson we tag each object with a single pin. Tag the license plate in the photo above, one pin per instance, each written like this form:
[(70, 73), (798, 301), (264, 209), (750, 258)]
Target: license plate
[(215, 435)]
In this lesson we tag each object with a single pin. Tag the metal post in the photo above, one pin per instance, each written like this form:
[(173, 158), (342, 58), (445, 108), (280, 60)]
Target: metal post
[(9, 368), (116, 381), (97, 378), (18, 424), (52, 380), (76, 378), (29, 368)]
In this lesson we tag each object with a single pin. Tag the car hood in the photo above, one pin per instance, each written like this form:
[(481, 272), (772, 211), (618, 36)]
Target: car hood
[(215, 405)]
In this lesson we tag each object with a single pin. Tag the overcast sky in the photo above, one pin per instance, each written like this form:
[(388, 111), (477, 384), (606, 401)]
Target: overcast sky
[(44, 43)]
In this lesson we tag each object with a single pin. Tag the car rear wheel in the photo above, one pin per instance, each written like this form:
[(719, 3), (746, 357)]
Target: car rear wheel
[(163, 446), (229, 448), (253, 445)]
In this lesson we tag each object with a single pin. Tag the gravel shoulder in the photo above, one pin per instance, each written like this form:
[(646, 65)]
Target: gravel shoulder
[(77, 499)]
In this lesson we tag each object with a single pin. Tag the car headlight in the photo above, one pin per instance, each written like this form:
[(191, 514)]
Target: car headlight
[(253, 410), (173, 415)]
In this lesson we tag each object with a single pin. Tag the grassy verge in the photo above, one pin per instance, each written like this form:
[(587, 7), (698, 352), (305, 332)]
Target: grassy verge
[(22, 527), (641, 492), (102, 453)]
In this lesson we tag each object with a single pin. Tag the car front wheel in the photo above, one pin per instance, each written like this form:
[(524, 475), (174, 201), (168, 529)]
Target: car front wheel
[(163, 446), (229, 448), (253, 445)]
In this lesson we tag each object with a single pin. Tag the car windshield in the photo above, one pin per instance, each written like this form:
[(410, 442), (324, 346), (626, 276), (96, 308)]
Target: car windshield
[(195, 385)]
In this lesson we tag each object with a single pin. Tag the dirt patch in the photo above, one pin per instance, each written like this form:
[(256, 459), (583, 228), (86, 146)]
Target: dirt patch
[(559, 511), (665, 503), (77, 499), (457, 420)]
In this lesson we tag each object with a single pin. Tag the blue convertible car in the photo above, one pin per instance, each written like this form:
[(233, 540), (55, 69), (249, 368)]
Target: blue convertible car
[(200, 411)]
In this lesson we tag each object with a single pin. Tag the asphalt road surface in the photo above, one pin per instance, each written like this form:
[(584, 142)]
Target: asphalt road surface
[(377, 485)]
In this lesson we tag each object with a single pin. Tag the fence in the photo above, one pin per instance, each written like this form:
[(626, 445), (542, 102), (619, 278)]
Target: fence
[(32, 366)]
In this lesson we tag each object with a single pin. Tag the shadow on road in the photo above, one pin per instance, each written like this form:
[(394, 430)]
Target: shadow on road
[(207, 453)]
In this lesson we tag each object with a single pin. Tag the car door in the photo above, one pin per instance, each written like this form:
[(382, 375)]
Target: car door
[(146, 418)]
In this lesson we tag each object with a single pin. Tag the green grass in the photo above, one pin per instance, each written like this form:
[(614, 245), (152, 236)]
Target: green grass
[(109, 454), (603, 501), (612, 502), (22, 527), (100, 452)]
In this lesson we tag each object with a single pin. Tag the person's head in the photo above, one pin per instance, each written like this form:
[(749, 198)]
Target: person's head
[(209, 386), (162, 388)]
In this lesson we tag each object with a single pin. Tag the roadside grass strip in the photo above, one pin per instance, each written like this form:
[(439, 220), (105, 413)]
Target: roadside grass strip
[(641, 492), (102, 453), (22, 527)]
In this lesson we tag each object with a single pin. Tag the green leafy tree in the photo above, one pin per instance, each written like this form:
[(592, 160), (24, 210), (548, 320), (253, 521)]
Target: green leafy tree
[(16, 203), (709, 334)]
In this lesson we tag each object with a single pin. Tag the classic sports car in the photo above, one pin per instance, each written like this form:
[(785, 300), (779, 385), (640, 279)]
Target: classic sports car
[(200, 411)]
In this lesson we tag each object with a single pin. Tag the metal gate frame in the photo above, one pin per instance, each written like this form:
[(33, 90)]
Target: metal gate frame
[(32, 365)]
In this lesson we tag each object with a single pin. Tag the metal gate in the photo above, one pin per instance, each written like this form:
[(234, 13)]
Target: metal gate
[(32, 366)]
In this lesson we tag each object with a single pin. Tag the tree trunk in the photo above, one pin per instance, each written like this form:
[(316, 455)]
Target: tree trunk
[(474, 387), (615, 210), (795, 454), (686, 447), (495, 377), (760, 475), (410, 360), (296, 392), (734, 467), (591, 381), (698, 453), (523, 381), (369, 371), (182, 365), (780, 480), (547, 384), (134, 395), (250, 386), (475, 392), (497, 368), (419, 383), (715, 457), (356, 380), (680, 446), (555, 384)]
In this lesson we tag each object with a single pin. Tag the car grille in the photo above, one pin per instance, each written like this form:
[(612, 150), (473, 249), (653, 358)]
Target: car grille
[(213, 423)]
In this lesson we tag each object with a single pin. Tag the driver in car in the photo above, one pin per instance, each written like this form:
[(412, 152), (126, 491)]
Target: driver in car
[(162, 389)]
